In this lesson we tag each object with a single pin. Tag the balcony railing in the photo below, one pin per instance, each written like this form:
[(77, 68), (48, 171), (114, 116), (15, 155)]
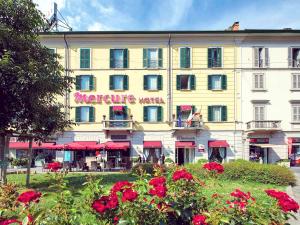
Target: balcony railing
[(117, 124), (264, 125), (184, 125)]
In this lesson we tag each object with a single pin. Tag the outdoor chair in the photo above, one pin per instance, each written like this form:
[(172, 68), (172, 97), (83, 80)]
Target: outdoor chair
[(66, 166), (94, 166)]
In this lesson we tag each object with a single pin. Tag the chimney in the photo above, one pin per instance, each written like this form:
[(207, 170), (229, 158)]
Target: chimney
[(235, 26)]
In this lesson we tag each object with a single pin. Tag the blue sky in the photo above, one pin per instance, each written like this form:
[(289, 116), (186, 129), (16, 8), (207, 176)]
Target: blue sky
[(176, 14)]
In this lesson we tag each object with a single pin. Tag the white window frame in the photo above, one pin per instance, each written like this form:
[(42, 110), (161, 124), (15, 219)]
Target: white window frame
[(55, 50), (298, 106), (191, 57), (292, 81), (216, 75), (264, 82), (189, 82), (154, 121), (118, 75), (153, 75), (156, 48), (213, 119), (90, 59), (265, 111), (122, 56), (222, 59), (81, 107)]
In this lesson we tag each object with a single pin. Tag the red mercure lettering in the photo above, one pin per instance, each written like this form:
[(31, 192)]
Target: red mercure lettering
[(115, 98), (78, 97), (152, 100), (85, 98), (99, 98), (147, 100), (157, 100), (131, 99), (141, 100), (123, 98), (92, 98), (162, 101), (106, 99)]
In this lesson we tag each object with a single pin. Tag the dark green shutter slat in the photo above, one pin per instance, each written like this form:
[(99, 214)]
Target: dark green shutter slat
[(92, 114), (224, 82), (178, 85), (111, 58), (209, 57), (219, 57), (125, 111), (159, 82), (188, 58), (92, 83), (85, 58), (78, 83), (81, 58), (125, 58), (111, 113), (145, 58), (77, 114), (126, 82), (160, 57), (145, 113), (209, 113), (159, 113), (145, 82), (193, 109), (177, 111), (183, 57), (193, 82), (209, 82), (224, 113), (111, 82)]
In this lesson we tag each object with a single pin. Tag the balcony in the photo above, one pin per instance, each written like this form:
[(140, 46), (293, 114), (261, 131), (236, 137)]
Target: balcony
[(264, 125), (183, 125), (117, 125)]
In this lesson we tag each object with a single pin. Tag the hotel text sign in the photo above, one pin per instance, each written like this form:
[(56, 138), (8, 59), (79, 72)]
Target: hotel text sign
[(115, 99)]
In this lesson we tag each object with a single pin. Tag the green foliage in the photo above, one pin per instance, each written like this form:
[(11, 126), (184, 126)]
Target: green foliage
[(169, 160), (148, 168), (19, 162)]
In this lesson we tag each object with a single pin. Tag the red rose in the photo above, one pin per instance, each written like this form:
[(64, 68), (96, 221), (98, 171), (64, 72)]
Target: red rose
[(113, 202), (156, 181), (182, 174), (214, 166), (159, 191), (30, 218), (55, 166), (129, 195), (241, 195), (277, 194), (120, 186), (199, 220), (29, 196), (105, 202), (11, 221), (99, 206), (288, 205)]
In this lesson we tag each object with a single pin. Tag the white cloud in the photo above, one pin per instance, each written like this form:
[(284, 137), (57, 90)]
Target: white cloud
[(47, 6), (97, 26)]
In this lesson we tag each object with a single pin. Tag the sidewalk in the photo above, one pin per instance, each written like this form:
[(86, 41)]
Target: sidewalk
[(294, 192)]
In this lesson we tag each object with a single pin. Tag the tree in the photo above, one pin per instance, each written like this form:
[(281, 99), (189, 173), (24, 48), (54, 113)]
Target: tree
[(31, 78)]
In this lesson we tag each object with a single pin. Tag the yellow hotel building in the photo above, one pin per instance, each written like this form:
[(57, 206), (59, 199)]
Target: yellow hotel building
[(152, 94)]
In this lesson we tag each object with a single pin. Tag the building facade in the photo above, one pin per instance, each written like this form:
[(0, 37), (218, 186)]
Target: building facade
[(136, 92)]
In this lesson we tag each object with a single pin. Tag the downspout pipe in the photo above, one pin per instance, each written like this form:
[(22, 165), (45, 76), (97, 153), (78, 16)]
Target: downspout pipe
[(67, 69), (169, 95)]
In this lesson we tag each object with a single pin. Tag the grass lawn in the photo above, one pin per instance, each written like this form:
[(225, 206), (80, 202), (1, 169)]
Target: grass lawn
[(40, 182)]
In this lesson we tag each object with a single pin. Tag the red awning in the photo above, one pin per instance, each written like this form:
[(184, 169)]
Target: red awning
[(95, 146), (152, 144), (185, 144), (117, 108), (218, 144), (185, 107), (25, 145), (57, 147), (79, 145), (111, 145)]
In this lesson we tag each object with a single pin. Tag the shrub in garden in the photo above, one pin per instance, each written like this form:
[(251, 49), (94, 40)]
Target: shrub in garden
[(148, 168)]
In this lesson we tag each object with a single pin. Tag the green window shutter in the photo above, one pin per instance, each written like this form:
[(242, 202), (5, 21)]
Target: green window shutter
[(85, 58), (111, 113), (209, 57), (160, 57), (92, 83), (145, 58), (111, 82), (145, 82), (193, 82), (125, 111), (183, 57), (78, 83), (125, 58), (193, 109), (111, 58), (77, 114), (209, 82), (145, 113), (92, 114), (159, 113), (224, 113), (178, 83), (209, 113), (219, 57), (159, 82), (224, 82), (177, 111), (188, 57), (126, 82)]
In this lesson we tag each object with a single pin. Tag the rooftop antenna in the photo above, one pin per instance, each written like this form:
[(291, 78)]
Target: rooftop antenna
[(57, 21)]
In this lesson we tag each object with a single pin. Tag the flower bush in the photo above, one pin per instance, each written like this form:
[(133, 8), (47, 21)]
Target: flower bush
[(214, 167)]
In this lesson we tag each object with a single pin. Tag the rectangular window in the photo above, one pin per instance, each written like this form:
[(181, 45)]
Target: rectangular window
[(152, 113), (52, 50), (294, 57), (296, 81), (259, 112), (85, 83), (118, 82), (152, 82), (258, 81), (118, 58), (185, 82), (85, 114), (85, 58), (217, 113), (152, 57), (296, 113), (217, 82), (214, 57), (261, 57), (185, 57)]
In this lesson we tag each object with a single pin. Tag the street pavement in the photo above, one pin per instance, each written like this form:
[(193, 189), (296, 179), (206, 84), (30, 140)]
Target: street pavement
[(294, 192)]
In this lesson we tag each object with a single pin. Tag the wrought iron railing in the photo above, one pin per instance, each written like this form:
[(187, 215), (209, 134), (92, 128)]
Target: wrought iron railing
[(264, 124), (194, 124), (117, 124)]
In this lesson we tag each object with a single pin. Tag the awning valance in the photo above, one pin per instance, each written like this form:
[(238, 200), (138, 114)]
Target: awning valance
[(218, 144), (112, 145), (25, 145), (185, 144), (265, 145), (117, 108), (152, 144), (185, 107), (79, 145)]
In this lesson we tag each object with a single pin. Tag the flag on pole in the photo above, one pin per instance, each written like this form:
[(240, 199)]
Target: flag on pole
[(189, 119), (179, 124)]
